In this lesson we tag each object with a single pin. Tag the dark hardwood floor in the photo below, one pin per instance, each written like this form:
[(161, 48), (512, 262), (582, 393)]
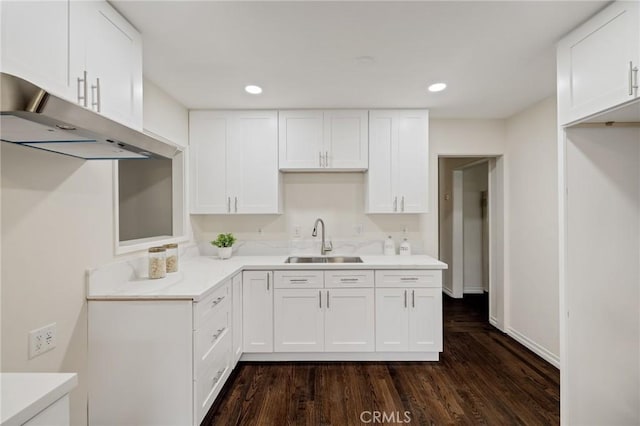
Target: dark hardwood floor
[(483, 377)]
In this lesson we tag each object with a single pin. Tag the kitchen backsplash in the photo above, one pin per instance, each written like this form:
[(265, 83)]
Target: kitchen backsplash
[(305, 247)]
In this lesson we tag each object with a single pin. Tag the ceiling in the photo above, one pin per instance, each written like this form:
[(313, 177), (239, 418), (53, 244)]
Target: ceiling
[(496, 57)]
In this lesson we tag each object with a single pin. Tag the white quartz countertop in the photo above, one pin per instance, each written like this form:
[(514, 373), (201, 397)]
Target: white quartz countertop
[(198, 276), (23, 395)]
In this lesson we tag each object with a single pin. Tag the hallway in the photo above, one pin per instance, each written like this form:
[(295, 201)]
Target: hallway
[(483, 377)]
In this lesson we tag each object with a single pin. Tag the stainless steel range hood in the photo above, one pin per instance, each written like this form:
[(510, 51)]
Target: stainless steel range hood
[(30, 116)]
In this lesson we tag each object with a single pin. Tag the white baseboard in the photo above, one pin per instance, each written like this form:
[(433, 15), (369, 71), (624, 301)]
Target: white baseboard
[(340, 356), (551, 358), (447, 292), (474, 290)]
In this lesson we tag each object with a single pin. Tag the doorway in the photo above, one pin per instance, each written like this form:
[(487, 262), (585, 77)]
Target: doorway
[(471, 232)]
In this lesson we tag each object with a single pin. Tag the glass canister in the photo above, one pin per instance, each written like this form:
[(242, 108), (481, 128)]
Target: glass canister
[(172, 257), (157, 262)]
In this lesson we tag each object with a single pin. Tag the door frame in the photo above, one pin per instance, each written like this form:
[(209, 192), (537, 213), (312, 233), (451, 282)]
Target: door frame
[(498, 289)]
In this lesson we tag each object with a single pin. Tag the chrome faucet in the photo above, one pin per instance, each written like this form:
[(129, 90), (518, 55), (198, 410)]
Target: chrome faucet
[(324, 248)]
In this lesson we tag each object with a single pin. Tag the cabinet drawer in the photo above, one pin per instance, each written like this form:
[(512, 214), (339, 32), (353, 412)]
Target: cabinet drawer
[(210, 337), (299, 279), (208, 382), (206, 308), (409, 278), (346, 279)]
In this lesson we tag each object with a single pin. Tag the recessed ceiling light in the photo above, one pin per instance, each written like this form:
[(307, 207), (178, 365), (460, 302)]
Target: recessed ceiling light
[(254, 90), (437, 87)]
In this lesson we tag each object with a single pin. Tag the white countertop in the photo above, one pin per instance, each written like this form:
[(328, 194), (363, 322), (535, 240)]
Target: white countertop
[(198, 276), (23, 395)]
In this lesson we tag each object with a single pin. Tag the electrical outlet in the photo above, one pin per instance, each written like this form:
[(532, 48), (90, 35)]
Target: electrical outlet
[(358, 229), (42, 340), (297, 231)]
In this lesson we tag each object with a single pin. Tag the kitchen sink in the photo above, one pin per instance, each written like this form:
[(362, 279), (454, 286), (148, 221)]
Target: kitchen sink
[(323, 259)]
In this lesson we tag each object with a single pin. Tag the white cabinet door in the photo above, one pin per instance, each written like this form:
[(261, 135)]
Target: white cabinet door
[(392, 320), (298, 320), (346, 139), (236, 315), (111, 50), (397, 180), (596, 62), (300, 139), (209, 134), (257, 311), (35, 44), (252, 166), (349, 320), (412, 153), (425, 320), (234, 162)]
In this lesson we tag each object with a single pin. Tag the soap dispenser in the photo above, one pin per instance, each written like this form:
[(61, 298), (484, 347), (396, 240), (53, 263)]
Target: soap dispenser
[(405, 248), (389, 246)]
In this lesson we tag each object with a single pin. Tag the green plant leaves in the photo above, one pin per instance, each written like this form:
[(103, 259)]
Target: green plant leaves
[(224, 240)]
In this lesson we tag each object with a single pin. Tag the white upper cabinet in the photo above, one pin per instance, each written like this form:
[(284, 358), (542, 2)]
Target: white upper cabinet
[(397, 179), (109, 50), (312, 140), (35, 44), (82, 51), (598, 63), (234, 162)]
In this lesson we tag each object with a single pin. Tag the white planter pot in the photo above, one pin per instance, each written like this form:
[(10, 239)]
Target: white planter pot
[(224, 252)]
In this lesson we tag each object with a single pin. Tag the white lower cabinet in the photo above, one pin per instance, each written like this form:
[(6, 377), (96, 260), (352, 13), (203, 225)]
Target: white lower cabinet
[(298, 320), (311, 318), (349, 320), (159, 361), (408, 319), (257, 311)]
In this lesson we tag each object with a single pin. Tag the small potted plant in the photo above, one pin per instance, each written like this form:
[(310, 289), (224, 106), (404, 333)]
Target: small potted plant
[(224, 242)]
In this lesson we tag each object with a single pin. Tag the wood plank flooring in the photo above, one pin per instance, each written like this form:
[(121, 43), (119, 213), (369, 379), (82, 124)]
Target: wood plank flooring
[(483, 377)]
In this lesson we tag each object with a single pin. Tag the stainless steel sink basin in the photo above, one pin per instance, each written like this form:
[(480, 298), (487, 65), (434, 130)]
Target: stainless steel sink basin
[(321, 259)]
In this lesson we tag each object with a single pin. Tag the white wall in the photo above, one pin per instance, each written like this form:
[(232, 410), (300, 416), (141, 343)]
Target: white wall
[(532, 219), (601, 355), (163, 116), (57, 221)]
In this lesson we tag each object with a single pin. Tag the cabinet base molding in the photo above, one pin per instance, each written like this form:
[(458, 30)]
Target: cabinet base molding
[(341, 356)]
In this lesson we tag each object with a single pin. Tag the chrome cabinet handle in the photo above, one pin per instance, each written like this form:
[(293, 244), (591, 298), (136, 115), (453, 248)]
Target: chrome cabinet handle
[(348, 280), (82, 83), (217, 301), (217, 334), (408, 278), (413, 298), (320, 298), (217, 377), (320, 158), (326, 158), (327, 299), (633, 78), (228, 204), (268, 281), (405, 298), (236, 204), (95, 95), (395, 204), (301, 280), (402, 203)]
